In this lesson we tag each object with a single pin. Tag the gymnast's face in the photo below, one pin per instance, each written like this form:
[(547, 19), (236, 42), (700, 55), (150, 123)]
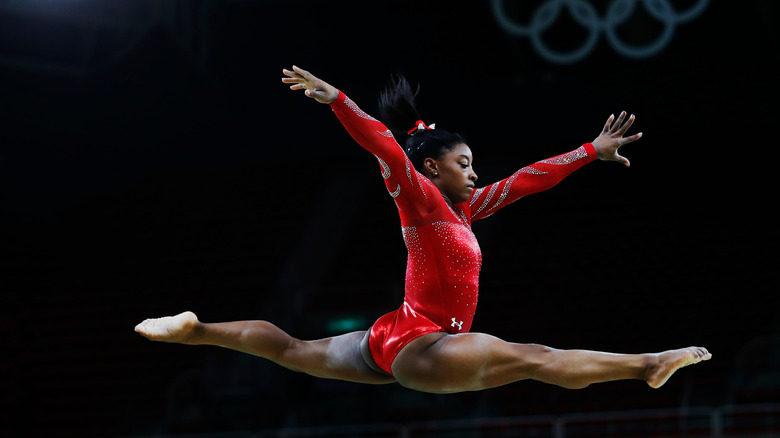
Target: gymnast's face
[(453, 174)]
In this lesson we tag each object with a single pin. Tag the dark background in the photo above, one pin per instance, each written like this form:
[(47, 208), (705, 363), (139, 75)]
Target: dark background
[(152, 162)]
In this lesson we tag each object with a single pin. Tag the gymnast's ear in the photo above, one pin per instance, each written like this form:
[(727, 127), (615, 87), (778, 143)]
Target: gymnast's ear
[(431, 167)]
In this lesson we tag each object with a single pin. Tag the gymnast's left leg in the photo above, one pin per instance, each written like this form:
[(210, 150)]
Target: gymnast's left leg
[(442, 363), (343, 357)]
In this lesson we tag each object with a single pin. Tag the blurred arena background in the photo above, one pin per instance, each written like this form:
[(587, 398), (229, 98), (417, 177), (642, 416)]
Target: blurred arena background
[(151, 162)]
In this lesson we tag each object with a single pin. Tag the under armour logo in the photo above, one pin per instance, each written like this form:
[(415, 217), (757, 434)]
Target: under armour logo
[(459, 324)]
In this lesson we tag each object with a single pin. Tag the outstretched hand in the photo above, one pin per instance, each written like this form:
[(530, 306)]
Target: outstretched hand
[(314, 87), (611, 138)]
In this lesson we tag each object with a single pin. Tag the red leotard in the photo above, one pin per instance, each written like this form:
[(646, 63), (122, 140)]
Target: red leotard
[(442, 271)]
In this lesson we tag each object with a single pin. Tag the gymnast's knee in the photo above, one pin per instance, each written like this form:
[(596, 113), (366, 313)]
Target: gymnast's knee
[(532, 358)]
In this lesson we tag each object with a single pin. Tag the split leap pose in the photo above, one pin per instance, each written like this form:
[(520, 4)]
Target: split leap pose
[(425, 344)]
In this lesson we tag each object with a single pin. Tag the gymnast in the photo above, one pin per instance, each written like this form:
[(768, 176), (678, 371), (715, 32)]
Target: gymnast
[(425, 344)]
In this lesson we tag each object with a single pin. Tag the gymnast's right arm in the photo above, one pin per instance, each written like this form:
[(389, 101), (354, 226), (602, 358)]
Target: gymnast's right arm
[(366, 130), (398, 172)]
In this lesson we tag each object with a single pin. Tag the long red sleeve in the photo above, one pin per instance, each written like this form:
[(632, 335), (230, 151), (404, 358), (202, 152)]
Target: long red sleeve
[(414, 194), (531, 179)]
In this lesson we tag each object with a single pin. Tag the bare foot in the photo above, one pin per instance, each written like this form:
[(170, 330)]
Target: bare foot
[(667, 362), (177, 328)]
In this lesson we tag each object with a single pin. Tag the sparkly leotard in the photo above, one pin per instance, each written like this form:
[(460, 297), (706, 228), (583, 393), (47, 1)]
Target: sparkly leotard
[(442, 271)]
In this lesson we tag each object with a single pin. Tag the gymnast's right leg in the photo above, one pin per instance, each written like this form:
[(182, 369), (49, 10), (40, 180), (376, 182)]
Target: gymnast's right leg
[(341, 357)]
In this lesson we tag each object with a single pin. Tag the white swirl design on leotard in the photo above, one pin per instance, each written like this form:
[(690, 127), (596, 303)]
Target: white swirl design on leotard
[(385, 168), (385, 133), (476, 195), (568, 158), (427, 182), (395, 193), (356, 109), (489, 196), (532, 171), (505, 191)]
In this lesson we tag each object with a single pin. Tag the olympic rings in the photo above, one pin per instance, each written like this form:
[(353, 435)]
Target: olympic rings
[(586, 15)]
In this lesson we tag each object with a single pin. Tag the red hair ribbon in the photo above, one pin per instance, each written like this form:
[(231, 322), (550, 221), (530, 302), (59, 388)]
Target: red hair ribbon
[(420, 125)]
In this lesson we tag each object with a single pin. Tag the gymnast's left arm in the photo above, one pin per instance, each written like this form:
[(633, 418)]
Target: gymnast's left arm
[(545, 174)]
